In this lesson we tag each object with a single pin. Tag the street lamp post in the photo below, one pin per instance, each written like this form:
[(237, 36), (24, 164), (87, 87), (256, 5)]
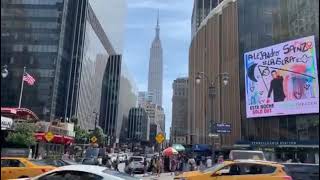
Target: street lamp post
[(95, 120), (212, 90)]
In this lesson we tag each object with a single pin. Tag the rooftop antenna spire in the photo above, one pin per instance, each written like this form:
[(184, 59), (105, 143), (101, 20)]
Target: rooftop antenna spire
[(158, 27), (158, 18)]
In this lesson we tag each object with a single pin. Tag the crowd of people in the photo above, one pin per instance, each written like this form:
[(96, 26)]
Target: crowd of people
[(158, 164), (179, 163)]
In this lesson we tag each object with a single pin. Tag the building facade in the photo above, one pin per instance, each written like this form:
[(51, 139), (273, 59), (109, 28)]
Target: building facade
[(97, 48), (46, 37), (155, 74), (179, 110), (201, 9), (145, 97), (157, 119), (118, 96), (230, 30), (139, 125), (101, 41)]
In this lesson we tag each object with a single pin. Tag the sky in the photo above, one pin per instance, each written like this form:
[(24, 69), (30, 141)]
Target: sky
[(175, 34)]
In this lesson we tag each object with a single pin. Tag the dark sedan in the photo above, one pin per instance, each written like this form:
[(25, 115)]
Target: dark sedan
[(302, 171)]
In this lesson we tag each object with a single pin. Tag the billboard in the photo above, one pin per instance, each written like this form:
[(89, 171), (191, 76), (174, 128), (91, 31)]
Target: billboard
[(282, 79)]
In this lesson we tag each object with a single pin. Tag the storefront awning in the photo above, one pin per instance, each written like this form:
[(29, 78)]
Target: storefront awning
[(6, 123), (19, 113), (57, 139)]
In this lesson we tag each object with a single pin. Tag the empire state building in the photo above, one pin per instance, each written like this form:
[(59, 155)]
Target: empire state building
[(156, 68)]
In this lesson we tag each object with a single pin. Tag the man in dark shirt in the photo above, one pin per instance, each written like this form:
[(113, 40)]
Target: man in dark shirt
[(276, 86)]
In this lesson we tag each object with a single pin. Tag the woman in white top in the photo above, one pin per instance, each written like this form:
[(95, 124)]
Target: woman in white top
[(209, 162)]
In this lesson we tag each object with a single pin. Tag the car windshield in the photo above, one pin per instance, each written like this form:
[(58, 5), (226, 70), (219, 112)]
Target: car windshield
[(92, 153), (41, 162), (213, 168)]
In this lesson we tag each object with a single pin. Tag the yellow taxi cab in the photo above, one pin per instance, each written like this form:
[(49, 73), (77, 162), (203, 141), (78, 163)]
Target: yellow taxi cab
[(239, 170), (16, 167)]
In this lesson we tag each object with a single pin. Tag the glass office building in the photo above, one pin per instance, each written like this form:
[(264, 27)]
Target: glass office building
[(96, 50), (46, 37), (118, 96), (139, 125)]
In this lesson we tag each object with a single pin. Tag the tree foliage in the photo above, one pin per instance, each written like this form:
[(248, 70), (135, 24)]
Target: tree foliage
[(98, 133), (23, 135), (81, 135)]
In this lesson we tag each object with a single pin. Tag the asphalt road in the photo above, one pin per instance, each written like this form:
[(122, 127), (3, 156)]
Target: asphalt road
[(163, 176)]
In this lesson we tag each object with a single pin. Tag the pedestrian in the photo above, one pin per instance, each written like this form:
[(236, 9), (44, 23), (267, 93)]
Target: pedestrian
[(180, 162), (192, 164), (154, 163), (145, 163), (198, 162), (209, 162), (220, 159), (159, 166), (173, 165), (116, 164), (150, 167)]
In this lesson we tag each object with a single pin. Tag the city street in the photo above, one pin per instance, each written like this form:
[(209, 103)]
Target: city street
[(163, 176), (208, 89)]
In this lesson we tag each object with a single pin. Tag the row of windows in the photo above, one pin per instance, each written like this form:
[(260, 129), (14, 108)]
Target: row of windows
[(40, 2), (44, 38), (17, 24), (180, 93), (18, 12), (35, 48)]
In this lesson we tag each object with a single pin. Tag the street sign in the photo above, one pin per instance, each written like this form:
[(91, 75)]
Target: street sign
[(49, 136), (213, 135), (221, 128), (93, 139), (160, 138)]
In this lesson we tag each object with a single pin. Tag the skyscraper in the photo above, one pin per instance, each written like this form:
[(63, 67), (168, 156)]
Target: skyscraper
[(46, 37), (156, 67), (179, 110)]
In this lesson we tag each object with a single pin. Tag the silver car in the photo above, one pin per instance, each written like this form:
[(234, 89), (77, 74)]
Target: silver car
[(135, 165)]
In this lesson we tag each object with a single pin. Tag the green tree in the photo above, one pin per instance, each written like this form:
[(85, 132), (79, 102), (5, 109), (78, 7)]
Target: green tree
[(98, 133), (81, 135), (23, 135)]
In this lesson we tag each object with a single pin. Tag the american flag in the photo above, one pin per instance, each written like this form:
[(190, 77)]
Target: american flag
[(28, 78)]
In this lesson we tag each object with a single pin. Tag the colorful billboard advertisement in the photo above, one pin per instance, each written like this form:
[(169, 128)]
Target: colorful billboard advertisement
[(282, 79)]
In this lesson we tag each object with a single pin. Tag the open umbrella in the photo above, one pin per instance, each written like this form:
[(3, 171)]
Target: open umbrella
[(169, 151), (178, 147)]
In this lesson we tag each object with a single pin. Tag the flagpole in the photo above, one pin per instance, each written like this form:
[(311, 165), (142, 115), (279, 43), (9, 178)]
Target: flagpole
[(22, 82)]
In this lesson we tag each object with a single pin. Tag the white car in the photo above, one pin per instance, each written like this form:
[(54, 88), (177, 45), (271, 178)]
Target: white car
[(82, 172), (122, 157)]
